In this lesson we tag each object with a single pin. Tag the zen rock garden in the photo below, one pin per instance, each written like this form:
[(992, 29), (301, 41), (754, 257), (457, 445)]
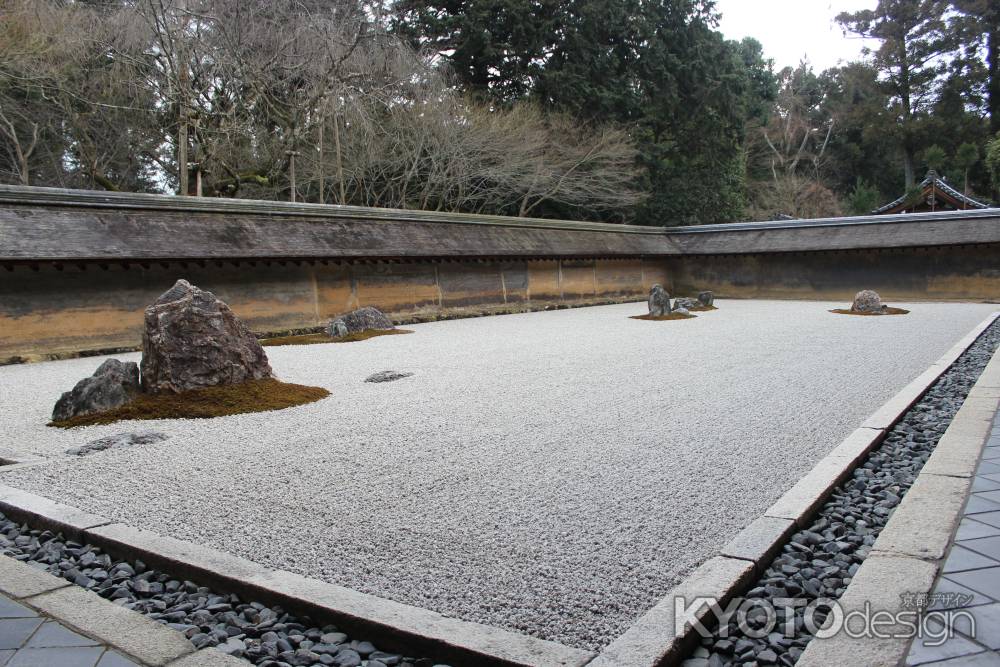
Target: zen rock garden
[(417, 470), (198, 360), (661, 309)]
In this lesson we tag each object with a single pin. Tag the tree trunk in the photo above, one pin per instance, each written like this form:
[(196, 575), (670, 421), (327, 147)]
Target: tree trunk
[(993, 83), (904, 93), (340, 163), (908, 167), (182, 110), (993, 60), (322, 167)]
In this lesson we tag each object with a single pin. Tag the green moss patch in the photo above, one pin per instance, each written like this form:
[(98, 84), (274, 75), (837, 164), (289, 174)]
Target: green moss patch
[(702, 309), (314, 339), (253, 396), (661, 318), (887, 311)]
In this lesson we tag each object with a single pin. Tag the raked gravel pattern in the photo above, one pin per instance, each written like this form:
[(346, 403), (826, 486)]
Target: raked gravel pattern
[(820, 561), (552, 473)]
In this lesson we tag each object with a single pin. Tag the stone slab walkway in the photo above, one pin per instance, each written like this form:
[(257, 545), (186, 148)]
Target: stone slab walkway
[(970, 578), (31, 639)]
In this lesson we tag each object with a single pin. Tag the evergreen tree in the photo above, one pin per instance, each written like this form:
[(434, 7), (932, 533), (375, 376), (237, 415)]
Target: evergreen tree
[(495, 48), (657, 68), (914, 36)]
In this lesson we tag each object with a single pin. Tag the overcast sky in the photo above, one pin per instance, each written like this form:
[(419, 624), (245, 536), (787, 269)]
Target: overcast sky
[(791, 30)]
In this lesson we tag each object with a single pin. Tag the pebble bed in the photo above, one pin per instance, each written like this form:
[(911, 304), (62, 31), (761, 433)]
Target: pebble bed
[(264, 635), (820, 561)]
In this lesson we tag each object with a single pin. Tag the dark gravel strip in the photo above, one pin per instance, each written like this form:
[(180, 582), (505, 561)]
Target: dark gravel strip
[(266, 636), (818, 562)]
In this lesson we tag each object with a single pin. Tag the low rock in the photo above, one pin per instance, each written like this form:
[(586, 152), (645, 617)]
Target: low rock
[(116, 441), (659, 301), (359, 320), (112, 385), (867, 301), (193, 339), (687, 303), (387, 376), (707, 298), (681, 310)]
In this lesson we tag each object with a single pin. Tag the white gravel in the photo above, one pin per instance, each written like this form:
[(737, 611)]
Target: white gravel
[(553, 473)]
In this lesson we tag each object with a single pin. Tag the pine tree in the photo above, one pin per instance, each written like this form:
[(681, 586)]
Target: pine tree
[(914, 36)]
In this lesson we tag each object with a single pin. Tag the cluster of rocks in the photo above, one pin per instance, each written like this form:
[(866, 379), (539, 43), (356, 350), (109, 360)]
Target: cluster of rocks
[(356, 321), (868, 301), (659, 302), (267, 636), (820, 561), (191, 339)]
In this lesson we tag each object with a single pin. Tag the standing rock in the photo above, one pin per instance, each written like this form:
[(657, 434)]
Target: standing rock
[(359, 320), (112, 385), (193, 340), (659, 301), (867, 301), (707, 298)]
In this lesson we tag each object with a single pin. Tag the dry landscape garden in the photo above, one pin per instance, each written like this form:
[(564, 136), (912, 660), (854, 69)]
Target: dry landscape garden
[(553, 333)]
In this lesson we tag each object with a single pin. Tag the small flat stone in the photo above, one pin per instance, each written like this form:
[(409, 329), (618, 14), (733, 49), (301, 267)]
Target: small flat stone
[(387, 376)]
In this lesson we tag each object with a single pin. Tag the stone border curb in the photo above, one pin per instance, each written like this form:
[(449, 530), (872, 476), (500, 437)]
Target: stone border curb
[(128, 632), (911, 548), (395, 626), (47, 514), (652, 640)]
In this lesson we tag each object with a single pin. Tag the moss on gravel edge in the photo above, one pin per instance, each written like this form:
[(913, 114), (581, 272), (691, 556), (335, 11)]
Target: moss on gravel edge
[(253, 396)]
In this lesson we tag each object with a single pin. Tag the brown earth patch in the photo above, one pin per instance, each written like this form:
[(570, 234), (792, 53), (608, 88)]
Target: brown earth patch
[(313, 339)]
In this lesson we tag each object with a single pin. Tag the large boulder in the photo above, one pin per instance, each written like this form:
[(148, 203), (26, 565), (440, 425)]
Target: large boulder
[(193, 340), (112, 385), (359, 320), (867, 301), (707, 298), (659, 301)]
